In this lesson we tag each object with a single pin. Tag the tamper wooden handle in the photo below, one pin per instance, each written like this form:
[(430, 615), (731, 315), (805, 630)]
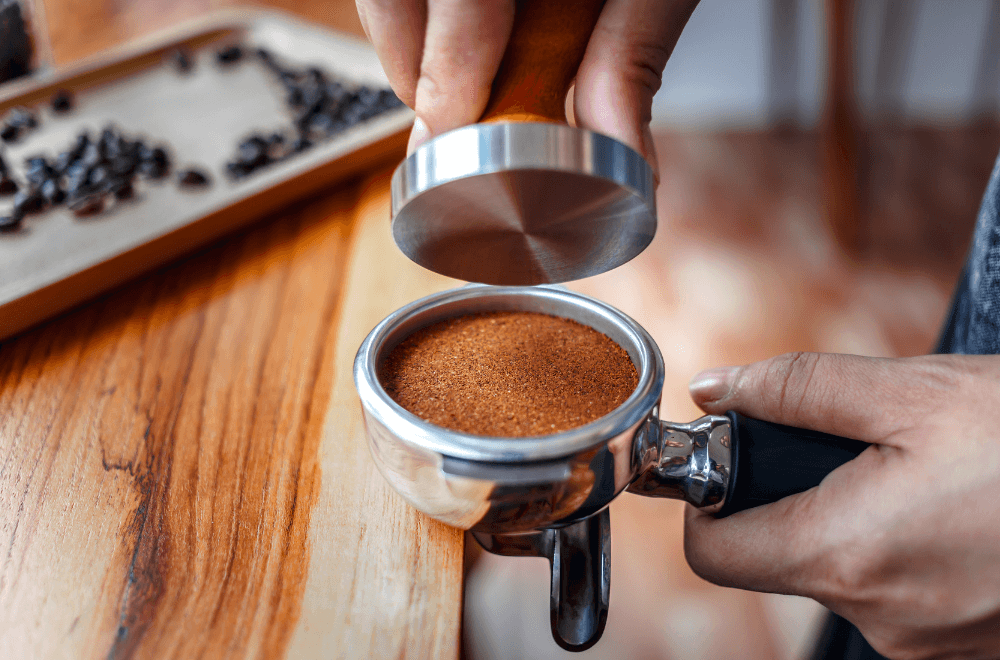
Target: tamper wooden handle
[(546, 46)]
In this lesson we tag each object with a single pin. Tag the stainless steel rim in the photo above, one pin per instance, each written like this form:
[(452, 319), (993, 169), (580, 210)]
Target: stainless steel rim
[(470, 299), (487, 148)]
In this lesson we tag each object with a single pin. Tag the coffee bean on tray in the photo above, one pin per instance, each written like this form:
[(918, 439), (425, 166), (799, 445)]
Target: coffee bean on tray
[(88, 205), (321, 108), (10, 222), (28, 202), (193, 178), (181, 60), (229, 55), (62, 101), (17, 123), (122, 189), (9, 133), (52, 193)]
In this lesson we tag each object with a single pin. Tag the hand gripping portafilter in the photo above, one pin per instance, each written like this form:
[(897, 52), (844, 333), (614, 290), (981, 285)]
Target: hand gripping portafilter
[(521, 198), (547, 496)]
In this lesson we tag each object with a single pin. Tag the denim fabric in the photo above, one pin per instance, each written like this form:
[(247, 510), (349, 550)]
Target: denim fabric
[(972, 328)]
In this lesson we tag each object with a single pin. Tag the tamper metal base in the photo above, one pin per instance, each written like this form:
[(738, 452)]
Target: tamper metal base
[(523, 203)]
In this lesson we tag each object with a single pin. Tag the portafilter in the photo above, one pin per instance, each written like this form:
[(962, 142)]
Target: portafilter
[(547, 496), (521, 197)]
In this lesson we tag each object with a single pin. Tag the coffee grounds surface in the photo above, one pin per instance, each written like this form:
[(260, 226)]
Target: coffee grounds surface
[(509, 374)]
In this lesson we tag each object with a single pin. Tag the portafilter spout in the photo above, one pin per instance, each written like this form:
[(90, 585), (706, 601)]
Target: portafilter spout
[(522, 198)]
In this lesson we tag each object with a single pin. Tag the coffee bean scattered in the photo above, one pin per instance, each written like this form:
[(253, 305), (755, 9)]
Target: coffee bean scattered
[(10, 222), (62, 101), (229, 55), (193, 178), (7, 185), (182, 62), (16, 48), (87, 205), (86, 176), (17, 123), (508, 374), (321, 108)]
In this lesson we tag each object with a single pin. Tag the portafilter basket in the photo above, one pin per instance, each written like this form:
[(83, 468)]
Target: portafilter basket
[(547, 496)]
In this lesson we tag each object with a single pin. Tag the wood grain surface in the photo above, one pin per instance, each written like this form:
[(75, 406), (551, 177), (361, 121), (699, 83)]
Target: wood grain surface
[(184, 470)]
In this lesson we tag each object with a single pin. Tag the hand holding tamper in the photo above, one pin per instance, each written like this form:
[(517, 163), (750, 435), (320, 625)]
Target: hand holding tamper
[(521, 197)]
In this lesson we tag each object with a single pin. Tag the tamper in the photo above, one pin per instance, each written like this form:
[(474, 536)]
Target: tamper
[(522, 198)]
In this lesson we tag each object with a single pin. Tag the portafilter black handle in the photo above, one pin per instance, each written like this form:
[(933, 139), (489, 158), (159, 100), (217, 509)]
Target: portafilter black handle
[(770, 461)]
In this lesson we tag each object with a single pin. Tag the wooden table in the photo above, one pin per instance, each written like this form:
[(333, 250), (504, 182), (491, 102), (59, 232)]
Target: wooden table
[(183, 470)]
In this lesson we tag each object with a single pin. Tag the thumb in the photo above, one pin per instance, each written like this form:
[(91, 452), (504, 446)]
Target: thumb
[(864, 398), (800, 543)]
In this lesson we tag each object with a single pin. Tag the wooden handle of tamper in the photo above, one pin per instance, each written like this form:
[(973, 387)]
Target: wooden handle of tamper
[(546, 46)]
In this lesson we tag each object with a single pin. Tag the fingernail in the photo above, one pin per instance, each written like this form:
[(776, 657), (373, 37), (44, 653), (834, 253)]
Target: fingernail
[(418, 135), (712, 384)]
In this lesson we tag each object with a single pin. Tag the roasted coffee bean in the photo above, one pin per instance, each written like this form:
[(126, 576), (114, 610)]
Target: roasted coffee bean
[(87, 205), (7, 186), (22, 118), (389, 100), (295, 97), (122, 189), (182, 61), (28, 202), (367, 96), (265, 56), (253, 152), (237, 170), (155, 163), (153, 171), (10, 222), (321, 108), (52, 193), (63, 162), (98, 177), (38, 170), (110, 143), (62, 101), (229, 55), (4, 169), (156, 155), (278, 147), (91, 156), (76, 151), (193, 178), (76, 178), (319, 127), (10, 133), (123, 166)]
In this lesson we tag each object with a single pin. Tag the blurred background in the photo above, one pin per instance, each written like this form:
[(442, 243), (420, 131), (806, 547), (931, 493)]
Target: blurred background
[(822, 163)]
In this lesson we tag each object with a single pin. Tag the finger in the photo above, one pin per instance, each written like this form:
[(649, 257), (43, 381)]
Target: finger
[(622, 68), (464, 44), (871, 399), (396, 30)]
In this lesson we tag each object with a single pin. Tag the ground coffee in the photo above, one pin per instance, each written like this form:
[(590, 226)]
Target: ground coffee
[(509, 374)]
